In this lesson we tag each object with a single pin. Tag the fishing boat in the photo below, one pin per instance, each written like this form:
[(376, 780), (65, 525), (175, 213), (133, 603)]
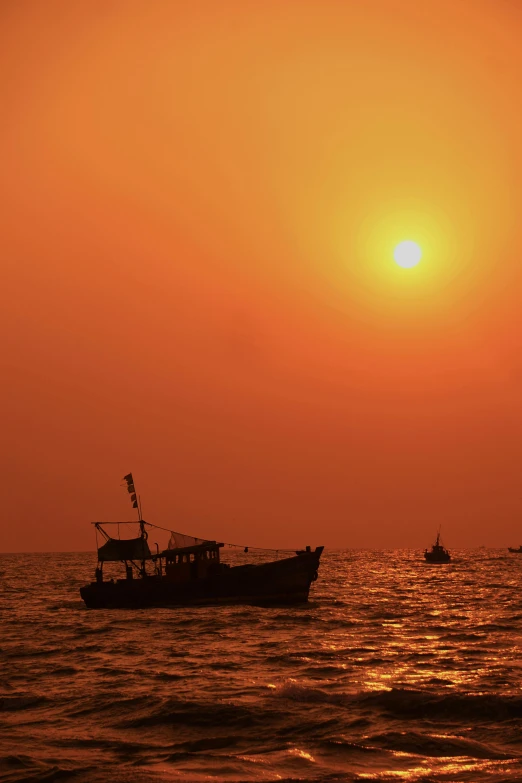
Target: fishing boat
[(438, 554), (518, 551), (189, 572)]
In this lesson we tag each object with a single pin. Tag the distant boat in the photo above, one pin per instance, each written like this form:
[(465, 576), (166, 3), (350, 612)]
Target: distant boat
[(438, 553), (189, 572), (518, 551)]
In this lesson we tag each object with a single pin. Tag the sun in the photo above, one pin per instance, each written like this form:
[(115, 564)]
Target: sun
[(407, 254)]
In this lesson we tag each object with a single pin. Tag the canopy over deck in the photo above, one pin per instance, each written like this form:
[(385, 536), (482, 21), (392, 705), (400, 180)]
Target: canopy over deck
[(124, 549)]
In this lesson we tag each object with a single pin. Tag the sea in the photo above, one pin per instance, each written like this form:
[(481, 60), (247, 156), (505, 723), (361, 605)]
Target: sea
[(395, 670)]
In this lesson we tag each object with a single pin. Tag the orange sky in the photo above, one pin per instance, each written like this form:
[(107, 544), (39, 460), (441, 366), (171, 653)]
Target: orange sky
[(200, 204)]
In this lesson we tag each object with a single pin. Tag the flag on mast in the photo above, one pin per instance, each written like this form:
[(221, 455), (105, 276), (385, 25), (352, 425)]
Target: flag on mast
[(131, 490)]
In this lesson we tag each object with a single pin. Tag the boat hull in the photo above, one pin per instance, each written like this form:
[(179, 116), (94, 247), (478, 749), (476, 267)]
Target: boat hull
[(285, 581), (430, 558)]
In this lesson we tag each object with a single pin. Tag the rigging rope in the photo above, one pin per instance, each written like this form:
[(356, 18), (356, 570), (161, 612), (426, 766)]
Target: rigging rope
[(226, 543)]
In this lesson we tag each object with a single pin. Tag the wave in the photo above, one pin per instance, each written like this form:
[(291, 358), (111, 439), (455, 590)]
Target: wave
[(433, 745), (412, 704), (452, 706), (192, 713), (169, 676), (67, 604), (25, 769), (33, 653), (62, 671), (109, 705), (22, 702)]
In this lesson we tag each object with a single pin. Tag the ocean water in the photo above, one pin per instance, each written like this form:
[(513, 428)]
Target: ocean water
[(395, 671)]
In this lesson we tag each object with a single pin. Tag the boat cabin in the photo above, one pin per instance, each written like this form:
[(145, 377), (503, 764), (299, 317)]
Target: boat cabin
[(191, 562)]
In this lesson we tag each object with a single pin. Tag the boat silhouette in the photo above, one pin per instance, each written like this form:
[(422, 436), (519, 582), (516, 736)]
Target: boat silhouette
[(438, 553), (189, 572)]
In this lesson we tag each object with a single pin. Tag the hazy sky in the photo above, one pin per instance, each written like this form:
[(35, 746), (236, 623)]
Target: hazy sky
[(200, 202)]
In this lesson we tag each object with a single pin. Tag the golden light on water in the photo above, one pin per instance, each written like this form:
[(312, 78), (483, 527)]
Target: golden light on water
[(407, 254)]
